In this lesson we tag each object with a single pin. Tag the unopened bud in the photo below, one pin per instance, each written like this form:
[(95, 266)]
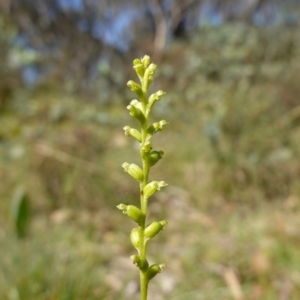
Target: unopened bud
[(133, 132), (146, 61), (157, 126), (139, 69), (133, 170), (154, 269), (155, 97), (155, 156), (135, 110), (152, 69), (152, 187), (135, 87), (146, 147), (137, 61), (135, 259), (142, 264), (132, 212), (154, 228), (135, 237)]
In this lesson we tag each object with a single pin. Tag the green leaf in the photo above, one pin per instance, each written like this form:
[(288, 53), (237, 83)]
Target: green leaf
[(20, 212)]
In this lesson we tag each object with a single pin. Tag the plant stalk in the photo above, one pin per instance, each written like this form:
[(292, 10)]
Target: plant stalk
[(143, 278)]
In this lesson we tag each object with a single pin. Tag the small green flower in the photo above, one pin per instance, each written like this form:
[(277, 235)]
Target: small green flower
[(141, 264), (135, 237), (132, 212), (155, 127), (135, 87), (155, 97), (133, 170), (135, 259), (133, 132), (146, 61), (135, 110), (154, 157), (139, 67), (152, 69), (154, 270), (154, 228), (152, 187), (146, 147)]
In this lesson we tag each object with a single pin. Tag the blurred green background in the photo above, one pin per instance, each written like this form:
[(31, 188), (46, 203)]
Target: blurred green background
[(231, 73)]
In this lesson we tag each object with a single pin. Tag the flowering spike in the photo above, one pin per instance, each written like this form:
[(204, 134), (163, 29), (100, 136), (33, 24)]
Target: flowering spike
[(140, 109)]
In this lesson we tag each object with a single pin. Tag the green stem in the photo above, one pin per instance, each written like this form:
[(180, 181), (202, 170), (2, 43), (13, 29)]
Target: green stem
[(144, 203), (144, 285)]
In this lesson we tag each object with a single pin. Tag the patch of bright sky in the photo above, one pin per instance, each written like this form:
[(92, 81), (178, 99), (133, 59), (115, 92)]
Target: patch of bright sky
[(209, 15), (30, 75), (113, 28), (75, 5), (269, 15)]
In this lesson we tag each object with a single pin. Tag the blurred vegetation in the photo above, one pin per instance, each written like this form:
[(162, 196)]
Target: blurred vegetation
[(231, 159)]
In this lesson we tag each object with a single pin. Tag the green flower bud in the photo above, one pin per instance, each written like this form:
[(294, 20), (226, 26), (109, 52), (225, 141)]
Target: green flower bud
[(146, 61), (135, 110), (142, 264), (154, 228), (133, 132), (135, 87), (134, 171), (154, 269), (137, 61), (146, 147), (137, 104), (158, 126), (152, 69), (132, 212), (155, 97), (155, 156), (139, 69), (152, 187), (135, 237), (150, 79), (135, 259)]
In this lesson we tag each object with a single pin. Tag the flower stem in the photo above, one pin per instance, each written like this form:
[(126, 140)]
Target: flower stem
[(144, 204), (143, 285)]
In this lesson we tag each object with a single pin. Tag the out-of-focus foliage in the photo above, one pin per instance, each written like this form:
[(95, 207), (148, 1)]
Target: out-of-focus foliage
[(244, 83), (231, 158), (20, 212), (9, 75), (76, 39)]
